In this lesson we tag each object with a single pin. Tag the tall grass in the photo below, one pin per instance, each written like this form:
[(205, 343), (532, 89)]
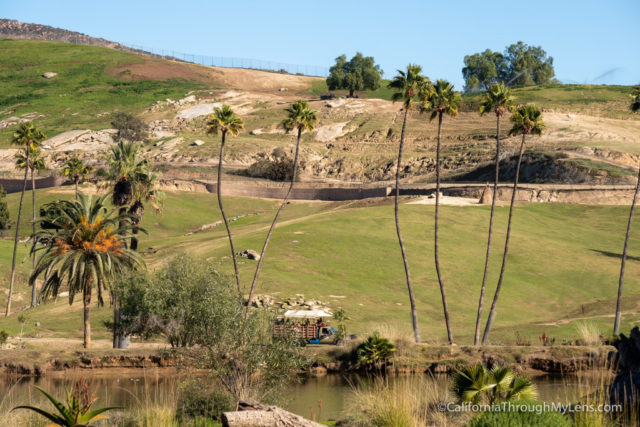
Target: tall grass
[(588, 333), (396, 402)]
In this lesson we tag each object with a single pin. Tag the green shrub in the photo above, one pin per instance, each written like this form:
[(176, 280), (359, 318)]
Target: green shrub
[(195, 402), (4, 336), (375, 349), (520, 419)]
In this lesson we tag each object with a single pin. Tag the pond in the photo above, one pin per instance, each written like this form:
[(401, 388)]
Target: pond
[(322, 398)]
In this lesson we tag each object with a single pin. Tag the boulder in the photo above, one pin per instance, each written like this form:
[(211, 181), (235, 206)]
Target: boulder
[(49, 75), (251, 254), (197, 142)]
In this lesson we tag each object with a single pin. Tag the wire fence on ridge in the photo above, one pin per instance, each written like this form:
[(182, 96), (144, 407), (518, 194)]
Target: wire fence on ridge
[(233, 62)]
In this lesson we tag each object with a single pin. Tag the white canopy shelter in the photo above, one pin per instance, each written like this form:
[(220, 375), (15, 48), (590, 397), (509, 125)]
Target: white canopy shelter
[(306, 314)]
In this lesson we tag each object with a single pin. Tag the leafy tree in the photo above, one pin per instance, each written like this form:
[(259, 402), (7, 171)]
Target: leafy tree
[(520, 64), (375, 350), (476, 384), (499, 100), (299, 118), (527, 120), (49, 212), (359, 73), (4, 210), (76, 171), (481, 70), (225, 121), (528, 65), (440, 101), (129, 127), (88, 251), (28, 138), (408, 86), (76, 412), (34, 163), (635, 107)]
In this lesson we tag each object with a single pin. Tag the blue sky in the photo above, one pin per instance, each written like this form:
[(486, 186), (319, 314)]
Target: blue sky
[(587, 38)]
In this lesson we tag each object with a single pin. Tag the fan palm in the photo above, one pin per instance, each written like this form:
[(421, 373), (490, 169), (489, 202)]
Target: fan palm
[(225, 121), (144, 190), (299, 118), (88, 251), (476, 384), (442, 100), (499, 100), (407, 85), (527, 120), (35, 163), (28, 138), (635, 107), (76, 171)]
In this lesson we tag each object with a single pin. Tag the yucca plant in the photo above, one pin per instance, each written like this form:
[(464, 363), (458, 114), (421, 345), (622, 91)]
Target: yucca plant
[(477, 384), (375, 350), (76, 412)]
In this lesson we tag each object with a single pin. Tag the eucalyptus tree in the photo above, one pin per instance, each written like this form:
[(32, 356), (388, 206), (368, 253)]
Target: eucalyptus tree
[(499, 100), (635, 107), (527, 120), (442, 100), (225, 121), (28, 138), (86, 252), (35, 163), (76, 171), (408, 85), (299, 118)]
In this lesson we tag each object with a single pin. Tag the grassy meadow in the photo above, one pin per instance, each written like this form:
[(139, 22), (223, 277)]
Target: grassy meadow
[(563, 264)]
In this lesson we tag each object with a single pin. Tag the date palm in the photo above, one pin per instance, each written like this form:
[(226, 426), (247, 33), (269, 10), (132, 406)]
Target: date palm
[(442, 100), (87, 252), (225, 121), (527, 120), (28, 138), (35, 163), (144, 190), (125, 167), (408, 85), (76, 171), (299, 118), (635, 107), (499, 100)]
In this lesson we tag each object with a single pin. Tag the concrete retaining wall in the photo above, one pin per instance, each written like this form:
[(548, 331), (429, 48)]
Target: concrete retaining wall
[(15, 185)]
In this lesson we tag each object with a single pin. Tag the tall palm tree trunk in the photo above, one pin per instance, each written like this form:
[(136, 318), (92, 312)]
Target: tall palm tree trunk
[(445, 307), (476, 336), (75, 183), (224, 215), (492, 311), (15, 241), (33, 221), (414, 314), (86, 301), (114, 299), (616, 324), (273, 224)]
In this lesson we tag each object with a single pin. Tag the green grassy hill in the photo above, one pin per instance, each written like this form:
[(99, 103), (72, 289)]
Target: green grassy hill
[(563, 266)]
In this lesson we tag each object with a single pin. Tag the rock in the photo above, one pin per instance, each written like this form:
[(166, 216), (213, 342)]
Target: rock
[(197, 142), (337, 103), (282, 89), (49, 75), (251, 254), (198, 110)]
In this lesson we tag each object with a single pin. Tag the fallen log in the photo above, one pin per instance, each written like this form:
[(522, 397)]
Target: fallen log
[(254, 414)]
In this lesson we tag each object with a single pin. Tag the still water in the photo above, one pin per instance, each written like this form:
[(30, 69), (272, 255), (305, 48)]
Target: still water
[(314, 397)]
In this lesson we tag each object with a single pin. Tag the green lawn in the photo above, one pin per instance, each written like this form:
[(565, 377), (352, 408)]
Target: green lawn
[(563, 265)]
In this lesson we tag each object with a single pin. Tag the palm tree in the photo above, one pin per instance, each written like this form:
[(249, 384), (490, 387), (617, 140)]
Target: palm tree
[(635, 107), (35, 163), (144, 189), (499, 100), (27, 137), (88, 251), (442, 100), (408, 86), (477, 384), (527, 120), (125, 166), (77, 171), (224, 120), (300, 118)]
